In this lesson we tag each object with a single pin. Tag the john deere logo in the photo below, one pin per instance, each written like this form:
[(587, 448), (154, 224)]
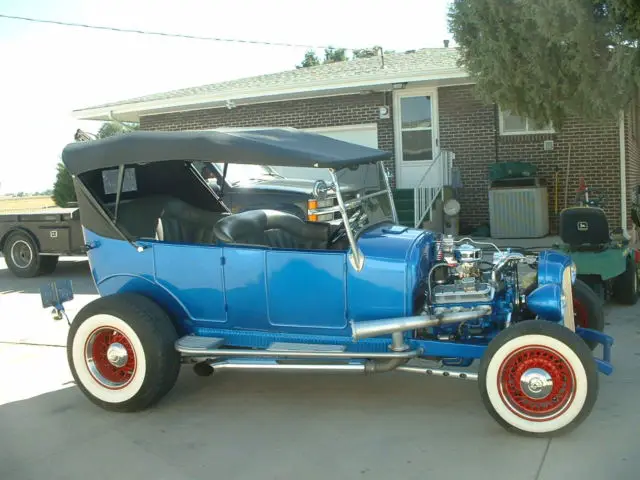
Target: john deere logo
[(583, 226)]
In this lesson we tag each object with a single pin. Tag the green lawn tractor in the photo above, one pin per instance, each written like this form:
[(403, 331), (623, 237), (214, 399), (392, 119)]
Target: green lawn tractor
[(605, 259)]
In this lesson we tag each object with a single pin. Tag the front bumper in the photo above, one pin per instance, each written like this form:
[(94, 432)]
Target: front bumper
[(604, 365)]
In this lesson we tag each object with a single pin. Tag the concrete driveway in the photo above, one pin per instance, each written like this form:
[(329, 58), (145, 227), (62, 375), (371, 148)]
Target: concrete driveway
[(275, 426)]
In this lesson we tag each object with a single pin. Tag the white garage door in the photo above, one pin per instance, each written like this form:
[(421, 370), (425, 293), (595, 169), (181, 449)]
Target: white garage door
[(365, 134)]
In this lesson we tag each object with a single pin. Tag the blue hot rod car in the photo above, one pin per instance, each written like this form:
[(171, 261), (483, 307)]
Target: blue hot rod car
[(183, 280)]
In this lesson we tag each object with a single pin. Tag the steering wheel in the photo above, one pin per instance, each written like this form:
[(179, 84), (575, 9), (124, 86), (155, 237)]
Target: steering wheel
[(341, 231), (338, 234)]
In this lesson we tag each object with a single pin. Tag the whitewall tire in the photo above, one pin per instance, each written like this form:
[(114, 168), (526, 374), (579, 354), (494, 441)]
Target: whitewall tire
[(538, 378), (121, 352)]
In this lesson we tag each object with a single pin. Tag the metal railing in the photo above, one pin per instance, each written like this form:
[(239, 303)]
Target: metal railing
[(431, 185)]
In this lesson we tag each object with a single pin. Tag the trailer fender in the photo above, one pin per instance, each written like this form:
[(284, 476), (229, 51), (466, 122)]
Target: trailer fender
[(22, 230)]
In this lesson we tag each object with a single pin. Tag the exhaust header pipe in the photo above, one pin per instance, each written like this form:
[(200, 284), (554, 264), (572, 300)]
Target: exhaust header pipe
[(376, 328)]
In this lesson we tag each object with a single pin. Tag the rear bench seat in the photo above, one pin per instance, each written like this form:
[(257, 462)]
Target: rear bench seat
[(168, 219)]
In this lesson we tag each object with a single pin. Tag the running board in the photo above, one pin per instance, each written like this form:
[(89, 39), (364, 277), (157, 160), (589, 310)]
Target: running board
[(193, 346)]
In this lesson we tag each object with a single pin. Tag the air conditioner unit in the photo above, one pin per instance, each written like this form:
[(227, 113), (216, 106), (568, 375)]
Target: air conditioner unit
[(518, 212)]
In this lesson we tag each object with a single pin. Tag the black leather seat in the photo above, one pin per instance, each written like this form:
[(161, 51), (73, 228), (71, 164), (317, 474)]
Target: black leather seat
[(181, 222), (139, 216), (272, 228), (584, 228)]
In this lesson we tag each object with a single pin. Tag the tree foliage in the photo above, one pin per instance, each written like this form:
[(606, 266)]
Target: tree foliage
[(333, 55), (63, 191), (310, 60), (549, 59)]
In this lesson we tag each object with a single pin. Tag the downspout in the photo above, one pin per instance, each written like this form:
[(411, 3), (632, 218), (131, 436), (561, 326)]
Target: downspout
[(623, 174), (496, 128)]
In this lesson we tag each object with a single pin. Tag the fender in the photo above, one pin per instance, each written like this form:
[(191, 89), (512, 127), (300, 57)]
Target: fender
[(166, 300), (19, 229)]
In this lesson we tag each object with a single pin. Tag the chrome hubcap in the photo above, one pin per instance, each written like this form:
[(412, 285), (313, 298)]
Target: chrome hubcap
[(536, 383), (117, 355), (21, 254)]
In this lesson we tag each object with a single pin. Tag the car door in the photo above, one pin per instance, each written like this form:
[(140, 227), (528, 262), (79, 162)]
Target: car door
[(193, 274), (307, 291), (287, 291)]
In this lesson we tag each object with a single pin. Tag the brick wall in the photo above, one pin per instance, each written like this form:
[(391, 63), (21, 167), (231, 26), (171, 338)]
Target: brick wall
[(468, 128), (312, 113)]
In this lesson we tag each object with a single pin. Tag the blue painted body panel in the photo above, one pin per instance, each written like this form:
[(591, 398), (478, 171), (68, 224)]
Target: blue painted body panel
[(245, 287), (253, 296), (551, 264), (285, 291), (393, 264), (192, 273), (545, 300), (306, 290)]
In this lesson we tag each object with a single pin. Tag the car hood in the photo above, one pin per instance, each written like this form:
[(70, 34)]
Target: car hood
[(294, 185), (393, 242)]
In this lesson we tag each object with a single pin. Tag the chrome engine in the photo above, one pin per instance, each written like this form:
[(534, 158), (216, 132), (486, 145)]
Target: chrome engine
[(462, 279), (458, 278)]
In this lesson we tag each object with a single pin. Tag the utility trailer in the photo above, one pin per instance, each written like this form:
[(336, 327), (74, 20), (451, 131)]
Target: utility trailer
[(32, 241)]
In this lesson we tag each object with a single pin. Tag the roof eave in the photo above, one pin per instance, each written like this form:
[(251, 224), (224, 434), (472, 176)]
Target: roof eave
[(132, 111)]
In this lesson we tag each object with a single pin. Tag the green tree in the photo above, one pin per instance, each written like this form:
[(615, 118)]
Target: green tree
[(333, 55), (370, 52), (63, 191), (550, 59), (310, 60)]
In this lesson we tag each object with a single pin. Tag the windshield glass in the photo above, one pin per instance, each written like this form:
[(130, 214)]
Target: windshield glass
[(238, 173), (367, 183)]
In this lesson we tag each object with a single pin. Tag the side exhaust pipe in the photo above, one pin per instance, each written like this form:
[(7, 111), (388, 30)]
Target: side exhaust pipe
[(376, 328)]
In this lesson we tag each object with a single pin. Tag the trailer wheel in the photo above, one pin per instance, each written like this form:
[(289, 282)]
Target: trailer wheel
[(538, 378), (625, 285), (121, 353), (22, 255)]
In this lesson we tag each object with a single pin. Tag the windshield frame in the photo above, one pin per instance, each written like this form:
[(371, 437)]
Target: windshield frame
[(356, 257)]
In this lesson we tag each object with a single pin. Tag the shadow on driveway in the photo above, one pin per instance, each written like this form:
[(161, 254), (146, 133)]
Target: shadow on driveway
[(76, 270)]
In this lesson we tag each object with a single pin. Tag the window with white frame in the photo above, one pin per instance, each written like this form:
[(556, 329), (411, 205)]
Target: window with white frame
[(512, 124)]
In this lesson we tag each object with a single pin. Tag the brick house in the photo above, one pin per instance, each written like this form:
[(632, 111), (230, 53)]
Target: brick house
[(415, 104)]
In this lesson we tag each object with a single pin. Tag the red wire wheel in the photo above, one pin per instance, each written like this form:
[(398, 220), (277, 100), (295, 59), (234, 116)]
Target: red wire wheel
[(110, 357), (536, 383)]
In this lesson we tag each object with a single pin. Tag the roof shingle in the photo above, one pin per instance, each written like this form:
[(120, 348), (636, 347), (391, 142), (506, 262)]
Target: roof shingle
[(423, 60)]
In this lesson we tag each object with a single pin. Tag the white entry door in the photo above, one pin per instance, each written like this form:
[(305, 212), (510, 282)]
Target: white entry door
[(416, 137)]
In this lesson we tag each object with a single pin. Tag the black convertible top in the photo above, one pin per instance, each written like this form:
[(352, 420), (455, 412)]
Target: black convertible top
[(269, 146)]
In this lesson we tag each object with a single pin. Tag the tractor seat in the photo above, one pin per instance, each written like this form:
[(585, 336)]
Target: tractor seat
[(272, 228), (181, 222), (584, 228)]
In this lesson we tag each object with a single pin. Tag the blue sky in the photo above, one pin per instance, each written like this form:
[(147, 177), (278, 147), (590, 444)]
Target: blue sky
[(49, 70)]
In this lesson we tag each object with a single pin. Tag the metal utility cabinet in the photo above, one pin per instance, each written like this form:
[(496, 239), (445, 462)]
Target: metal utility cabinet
[(518, 208)]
